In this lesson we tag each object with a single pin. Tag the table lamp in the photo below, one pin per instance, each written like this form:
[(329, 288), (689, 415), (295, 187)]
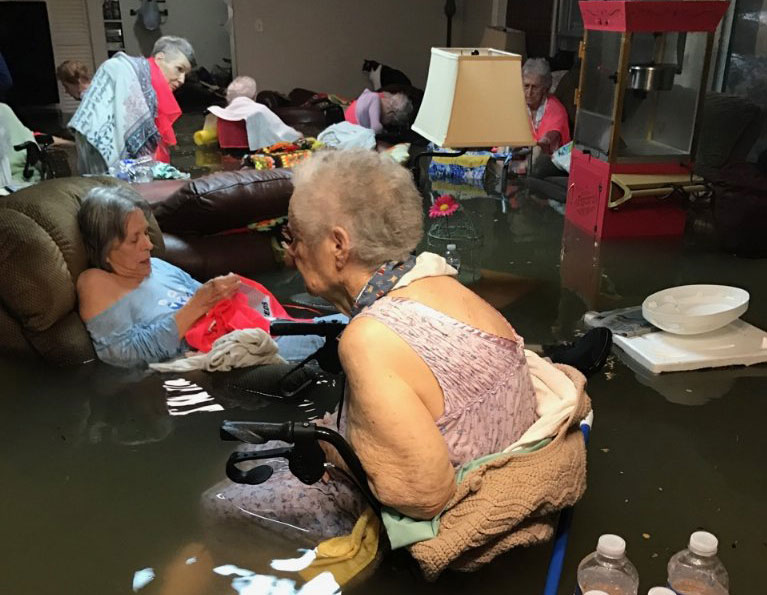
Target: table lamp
[(474, 98)]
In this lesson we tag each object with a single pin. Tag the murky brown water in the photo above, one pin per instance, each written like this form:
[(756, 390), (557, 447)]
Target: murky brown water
[(99, 480)]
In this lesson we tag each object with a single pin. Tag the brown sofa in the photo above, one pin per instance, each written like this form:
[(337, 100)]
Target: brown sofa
[(42, 252), (203, 220)]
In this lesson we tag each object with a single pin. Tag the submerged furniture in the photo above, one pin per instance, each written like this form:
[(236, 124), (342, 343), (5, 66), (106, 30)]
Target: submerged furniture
[(205, 221), (643, 79)]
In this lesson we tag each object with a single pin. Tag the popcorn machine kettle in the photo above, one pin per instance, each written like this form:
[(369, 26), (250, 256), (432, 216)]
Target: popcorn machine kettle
[(644, 74)]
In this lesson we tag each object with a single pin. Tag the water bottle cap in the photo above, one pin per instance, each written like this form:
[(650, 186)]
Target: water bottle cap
[(451, 246), (612, 546), (660, 591), (703, 543)]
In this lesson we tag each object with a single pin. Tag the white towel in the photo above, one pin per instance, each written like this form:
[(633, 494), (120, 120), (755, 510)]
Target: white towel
[(238, 349), (345, 135), (556, 396), (264, 126)]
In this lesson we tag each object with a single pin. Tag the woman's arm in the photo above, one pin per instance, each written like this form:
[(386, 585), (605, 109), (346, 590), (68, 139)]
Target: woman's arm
[(394, 435), (140, 344), (207, 295)]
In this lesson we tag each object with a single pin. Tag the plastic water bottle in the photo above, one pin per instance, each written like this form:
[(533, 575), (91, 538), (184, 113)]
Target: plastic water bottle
[(452, 257), (696, 570), (608, 569)]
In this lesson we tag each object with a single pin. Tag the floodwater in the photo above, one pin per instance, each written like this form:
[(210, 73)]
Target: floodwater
[(102, 474)]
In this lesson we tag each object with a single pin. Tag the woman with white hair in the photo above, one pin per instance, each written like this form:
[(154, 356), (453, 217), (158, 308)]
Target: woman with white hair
[(379, 110), (548, 117), (436, 376), (129, 108)]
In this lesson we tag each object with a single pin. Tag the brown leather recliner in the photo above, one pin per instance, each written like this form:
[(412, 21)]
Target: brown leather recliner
[(42, 252)]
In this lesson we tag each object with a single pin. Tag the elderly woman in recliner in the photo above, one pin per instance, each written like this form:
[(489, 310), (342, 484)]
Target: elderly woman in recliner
[(135, 307)]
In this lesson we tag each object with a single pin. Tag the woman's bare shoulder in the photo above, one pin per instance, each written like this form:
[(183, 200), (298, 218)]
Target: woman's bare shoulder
[(96, 291)]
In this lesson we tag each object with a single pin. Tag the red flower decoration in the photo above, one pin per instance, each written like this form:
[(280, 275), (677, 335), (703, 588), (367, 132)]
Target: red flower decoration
[(444, 206)]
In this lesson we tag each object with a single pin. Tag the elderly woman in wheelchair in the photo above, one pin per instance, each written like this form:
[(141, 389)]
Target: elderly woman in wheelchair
[(436, 377)]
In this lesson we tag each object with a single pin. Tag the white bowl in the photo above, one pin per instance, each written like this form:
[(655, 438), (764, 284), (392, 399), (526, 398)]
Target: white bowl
[(695, 309)]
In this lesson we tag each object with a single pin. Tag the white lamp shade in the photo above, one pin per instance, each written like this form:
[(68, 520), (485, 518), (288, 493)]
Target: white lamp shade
[(474, 100)]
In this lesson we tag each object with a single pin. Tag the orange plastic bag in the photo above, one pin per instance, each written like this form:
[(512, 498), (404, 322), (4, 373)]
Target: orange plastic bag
[(254, 306)]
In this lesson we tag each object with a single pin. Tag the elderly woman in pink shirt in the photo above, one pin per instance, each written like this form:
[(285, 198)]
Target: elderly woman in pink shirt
[(548, 117)]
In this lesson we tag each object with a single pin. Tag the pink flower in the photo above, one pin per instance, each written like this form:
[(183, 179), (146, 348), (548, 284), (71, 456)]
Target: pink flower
[(444, 206)]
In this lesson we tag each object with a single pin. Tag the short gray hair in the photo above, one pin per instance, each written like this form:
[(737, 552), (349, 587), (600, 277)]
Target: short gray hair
[(102, 218), (396, 109), (538, 67), (368, 194), (242, 86), (169, 44)]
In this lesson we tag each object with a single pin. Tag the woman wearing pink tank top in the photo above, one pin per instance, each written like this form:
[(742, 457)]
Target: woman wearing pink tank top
[(437, 377)]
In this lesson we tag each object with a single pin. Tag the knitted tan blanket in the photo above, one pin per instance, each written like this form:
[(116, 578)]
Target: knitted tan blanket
[(512, 500)]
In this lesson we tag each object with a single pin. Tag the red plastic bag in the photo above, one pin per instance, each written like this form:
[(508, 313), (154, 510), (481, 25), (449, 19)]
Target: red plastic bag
[(253, 306)]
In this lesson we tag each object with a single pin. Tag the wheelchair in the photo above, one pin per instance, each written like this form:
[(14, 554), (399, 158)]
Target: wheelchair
[(307, 460), (49, 161)]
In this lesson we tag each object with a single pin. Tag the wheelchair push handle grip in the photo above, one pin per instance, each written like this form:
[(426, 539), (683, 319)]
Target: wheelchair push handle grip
[(328, 329), (259, 432)]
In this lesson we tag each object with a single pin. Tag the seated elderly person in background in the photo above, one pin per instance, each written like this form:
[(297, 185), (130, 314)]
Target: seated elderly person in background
[(548, 117), (130, 109), (14, 133), (75, 77), (263, 126), (436, 376), (136, 308), (379, 110)]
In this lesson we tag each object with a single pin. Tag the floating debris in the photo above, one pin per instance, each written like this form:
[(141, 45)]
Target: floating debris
[(646, 535), (605, 449)]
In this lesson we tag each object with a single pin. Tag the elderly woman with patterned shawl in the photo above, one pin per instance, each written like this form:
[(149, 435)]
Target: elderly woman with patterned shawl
[(129, 109)]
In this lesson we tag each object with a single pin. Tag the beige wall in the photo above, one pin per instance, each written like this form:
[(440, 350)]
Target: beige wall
[(200, 21), (321, 45)]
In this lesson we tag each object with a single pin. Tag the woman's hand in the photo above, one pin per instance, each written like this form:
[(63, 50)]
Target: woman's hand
[(206, 296), (213, 291)]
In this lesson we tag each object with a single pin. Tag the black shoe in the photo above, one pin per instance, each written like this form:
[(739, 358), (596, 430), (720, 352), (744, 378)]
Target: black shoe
[(587, 354)]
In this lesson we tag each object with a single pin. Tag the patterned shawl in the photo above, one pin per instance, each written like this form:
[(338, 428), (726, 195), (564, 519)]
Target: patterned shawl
[(117, 113)]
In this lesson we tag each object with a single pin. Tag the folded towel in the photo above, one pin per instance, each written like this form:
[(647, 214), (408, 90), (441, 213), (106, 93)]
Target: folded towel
[(238, 349), (347, 555)]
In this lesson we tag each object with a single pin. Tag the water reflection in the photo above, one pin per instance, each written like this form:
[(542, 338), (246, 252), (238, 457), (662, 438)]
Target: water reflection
[(694, 388)]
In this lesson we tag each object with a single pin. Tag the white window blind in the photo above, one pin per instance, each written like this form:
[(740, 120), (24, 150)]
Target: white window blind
[(71, 37)]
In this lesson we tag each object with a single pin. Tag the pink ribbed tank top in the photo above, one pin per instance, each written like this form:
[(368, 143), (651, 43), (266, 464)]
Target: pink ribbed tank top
[(488, 392)]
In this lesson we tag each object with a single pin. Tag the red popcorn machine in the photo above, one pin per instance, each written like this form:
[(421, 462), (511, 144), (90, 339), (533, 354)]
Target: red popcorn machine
[(644, 73)]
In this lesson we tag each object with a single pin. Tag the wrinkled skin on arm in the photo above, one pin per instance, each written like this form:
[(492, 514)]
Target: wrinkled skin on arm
[(389, 426)]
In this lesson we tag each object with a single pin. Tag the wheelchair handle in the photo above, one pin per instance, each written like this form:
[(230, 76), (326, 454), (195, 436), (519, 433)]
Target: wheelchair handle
[(303, 435)]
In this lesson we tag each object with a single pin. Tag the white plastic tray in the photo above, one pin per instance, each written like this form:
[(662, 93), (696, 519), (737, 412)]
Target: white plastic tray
[(737, 344)]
